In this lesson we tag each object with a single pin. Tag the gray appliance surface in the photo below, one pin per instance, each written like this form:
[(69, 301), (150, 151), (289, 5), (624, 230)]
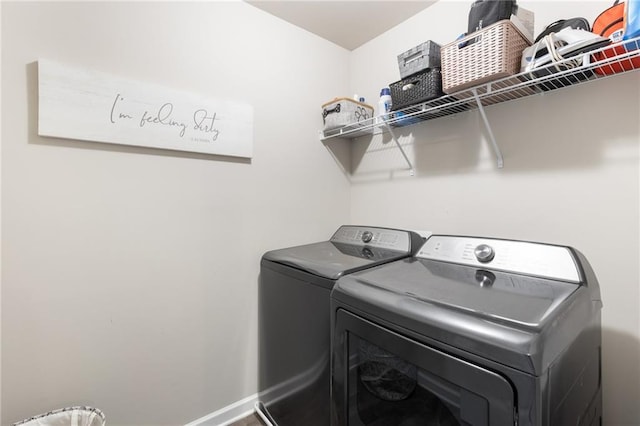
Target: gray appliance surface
[(350, 249), (528, 312), (520, 318), (294, 317), (498, 296)]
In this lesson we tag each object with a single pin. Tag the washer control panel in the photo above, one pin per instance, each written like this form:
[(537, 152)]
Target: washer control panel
[(537, 259), (391, 239)]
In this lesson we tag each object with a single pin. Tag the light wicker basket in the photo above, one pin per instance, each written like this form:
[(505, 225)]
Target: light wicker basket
[(489, 54), (342, 112)]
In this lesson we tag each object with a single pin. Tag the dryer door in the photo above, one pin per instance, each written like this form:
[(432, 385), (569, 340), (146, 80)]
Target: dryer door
[(383, 378)]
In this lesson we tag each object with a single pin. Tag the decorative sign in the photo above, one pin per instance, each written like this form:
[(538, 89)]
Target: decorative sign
[(87, 105)]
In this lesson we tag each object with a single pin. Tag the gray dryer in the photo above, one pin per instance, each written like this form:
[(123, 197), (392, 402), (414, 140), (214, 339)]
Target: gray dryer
[(294, 317)]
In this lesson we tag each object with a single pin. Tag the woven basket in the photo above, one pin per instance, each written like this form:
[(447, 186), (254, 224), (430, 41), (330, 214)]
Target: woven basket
[(417, 88), (489, 54), (69, 416), (419, 58), (342, 112)]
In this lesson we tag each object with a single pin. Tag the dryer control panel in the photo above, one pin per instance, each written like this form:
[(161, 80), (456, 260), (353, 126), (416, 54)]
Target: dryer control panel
[(392, 239), (528, 258)]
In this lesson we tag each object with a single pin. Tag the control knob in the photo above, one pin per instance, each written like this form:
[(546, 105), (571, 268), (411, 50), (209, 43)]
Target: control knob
[(367, 236), (484, 253), (485, 278), (367, 253)]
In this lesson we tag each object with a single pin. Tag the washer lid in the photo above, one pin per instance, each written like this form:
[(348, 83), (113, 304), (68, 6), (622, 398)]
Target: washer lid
[(516, 320), (351, 249), (517, 303), (481, 294)]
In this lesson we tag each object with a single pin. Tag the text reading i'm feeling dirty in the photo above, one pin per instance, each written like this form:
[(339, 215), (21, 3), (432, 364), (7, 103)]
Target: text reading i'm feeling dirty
[(203, 121)]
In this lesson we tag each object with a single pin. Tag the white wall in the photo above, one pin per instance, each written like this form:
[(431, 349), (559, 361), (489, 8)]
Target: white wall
[(0, 232), (129, 277), (571, 176)]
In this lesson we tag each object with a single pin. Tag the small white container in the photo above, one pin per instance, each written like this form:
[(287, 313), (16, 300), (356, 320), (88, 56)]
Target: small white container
[(384, 103), (342, 112)]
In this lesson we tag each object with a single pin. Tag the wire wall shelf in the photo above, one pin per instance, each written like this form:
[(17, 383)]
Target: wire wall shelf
[(609, 61)]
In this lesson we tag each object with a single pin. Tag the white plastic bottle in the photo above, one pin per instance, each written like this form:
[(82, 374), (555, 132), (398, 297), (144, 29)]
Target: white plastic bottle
[(384, 104)]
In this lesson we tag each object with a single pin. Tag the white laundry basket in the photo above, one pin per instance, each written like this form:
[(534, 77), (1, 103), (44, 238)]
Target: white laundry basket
[(70, 416)]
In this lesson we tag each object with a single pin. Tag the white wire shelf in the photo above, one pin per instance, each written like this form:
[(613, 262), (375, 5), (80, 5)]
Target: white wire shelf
[(609, 61)]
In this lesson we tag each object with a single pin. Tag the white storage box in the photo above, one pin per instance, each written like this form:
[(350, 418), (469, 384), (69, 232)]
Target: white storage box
[(342, 112)]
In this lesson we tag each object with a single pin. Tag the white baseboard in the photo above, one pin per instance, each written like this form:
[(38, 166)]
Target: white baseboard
[(229, 414)]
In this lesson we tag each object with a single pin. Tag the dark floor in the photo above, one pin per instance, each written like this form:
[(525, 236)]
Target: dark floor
[(251, 420)]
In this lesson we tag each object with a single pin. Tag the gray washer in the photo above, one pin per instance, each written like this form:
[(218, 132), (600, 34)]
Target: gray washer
[(294, 317), (479, 331)]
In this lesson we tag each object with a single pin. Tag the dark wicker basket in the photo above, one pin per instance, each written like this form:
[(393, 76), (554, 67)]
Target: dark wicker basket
[(417, 88)]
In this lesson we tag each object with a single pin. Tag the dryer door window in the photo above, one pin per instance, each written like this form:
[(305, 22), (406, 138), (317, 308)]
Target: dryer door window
[(387, 390), (383, 378)]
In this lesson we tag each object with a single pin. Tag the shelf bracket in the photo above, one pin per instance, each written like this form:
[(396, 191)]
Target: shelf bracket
[(395, 139), (496, 148)]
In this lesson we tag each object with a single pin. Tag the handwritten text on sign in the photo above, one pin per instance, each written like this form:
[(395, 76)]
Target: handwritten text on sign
[(86, 105), (203, 121)]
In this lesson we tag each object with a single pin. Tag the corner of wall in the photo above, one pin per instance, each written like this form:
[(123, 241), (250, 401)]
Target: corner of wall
[(0, 226)]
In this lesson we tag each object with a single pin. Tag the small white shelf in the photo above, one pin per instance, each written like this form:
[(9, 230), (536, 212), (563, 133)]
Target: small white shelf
[(549, 78)]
